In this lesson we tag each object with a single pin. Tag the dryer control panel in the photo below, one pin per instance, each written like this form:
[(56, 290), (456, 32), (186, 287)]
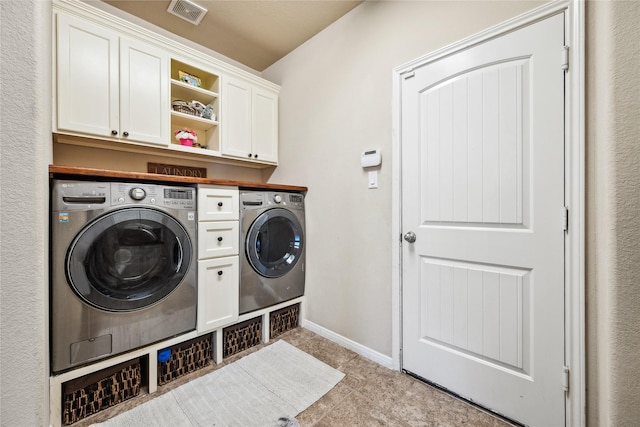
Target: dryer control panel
[(262, 199)]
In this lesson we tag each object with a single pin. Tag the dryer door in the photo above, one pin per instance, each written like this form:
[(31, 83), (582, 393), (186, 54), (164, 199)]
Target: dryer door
[(274, 242), (128, 259)]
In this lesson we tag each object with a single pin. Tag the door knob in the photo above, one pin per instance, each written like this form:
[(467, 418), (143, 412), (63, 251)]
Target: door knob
[(410, 237)]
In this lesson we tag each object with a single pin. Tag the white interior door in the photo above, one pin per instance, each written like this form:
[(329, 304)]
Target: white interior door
[(483, 191)]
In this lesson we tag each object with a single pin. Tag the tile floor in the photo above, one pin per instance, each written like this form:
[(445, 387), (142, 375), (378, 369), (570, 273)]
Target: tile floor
[(369, 395)]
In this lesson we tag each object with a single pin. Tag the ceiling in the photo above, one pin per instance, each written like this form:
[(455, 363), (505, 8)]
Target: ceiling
[(255, 33)]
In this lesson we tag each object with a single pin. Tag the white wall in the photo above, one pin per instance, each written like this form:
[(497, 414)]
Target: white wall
[(335, 102), (25, 152), (613, 213)]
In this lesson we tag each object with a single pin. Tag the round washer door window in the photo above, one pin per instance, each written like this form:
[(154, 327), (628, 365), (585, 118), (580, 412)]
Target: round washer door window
[(128, 259), (274, 243)]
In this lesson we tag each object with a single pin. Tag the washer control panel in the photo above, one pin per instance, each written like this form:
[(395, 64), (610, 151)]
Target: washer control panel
[(83, 195), (153, 194)]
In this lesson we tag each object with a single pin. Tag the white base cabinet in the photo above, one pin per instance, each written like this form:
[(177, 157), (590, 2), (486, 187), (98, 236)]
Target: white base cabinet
[(218, 263), (217, 292)]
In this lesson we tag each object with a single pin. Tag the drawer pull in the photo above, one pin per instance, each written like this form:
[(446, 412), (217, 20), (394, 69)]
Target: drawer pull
[(219, 272), (220, 204), (220, 239)]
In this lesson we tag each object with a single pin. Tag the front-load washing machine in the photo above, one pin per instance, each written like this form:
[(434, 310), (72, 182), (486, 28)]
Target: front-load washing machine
[(123, 270), (272, 236)]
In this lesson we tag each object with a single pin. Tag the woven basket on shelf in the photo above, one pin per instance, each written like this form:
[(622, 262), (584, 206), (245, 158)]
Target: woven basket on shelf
[(183, 107)]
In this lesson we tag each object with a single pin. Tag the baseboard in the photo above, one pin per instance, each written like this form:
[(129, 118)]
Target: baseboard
[(362, 350)]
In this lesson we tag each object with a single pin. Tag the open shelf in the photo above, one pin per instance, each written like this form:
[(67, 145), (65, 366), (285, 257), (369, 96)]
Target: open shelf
[(187, 92), (186, 120), (205, 91)]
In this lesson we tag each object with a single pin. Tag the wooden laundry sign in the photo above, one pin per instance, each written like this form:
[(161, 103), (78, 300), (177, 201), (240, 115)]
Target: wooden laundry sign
[(164, 169)]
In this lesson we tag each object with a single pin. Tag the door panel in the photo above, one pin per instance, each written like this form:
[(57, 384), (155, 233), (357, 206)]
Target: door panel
[(87, 75), (483, 189), (474, 146), (144, 93)]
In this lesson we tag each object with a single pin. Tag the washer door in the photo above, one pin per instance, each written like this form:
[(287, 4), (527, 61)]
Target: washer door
[(128, 259), (274, 242)]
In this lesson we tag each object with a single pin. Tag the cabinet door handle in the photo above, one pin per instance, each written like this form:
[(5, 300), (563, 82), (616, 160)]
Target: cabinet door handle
[(114, 132), (249, 154), (125, 133), (219, 272), (255, 156), (220, 204), (220, 239)]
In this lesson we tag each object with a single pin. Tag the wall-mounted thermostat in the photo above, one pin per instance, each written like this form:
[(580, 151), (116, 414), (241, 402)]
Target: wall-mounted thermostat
[(371, 158)]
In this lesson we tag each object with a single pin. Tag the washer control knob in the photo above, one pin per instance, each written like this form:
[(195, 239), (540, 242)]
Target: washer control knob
[(137, 193), (277, 198), (121, 199)]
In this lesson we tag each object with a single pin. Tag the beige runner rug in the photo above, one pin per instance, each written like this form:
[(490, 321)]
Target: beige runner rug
[(278, 381)]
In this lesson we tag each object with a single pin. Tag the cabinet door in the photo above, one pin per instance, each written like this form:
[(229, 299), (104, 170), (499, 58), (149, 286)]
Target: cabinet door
[(87, 74), (218, 292), (236, 118), (217, 239), (218, 204), (265, 125), (144, 93)]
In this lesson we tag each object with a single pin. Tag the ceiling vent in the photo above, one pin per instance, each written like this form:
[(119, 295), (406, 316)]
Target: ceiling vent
[(187, 10)]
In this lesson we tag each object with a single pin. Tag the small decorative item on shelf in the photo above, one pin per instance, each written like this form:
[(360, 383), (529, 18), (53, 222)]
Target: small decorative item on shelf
[(183, 107), (189, 79), (187, 137), (208, 113), (204, 111)]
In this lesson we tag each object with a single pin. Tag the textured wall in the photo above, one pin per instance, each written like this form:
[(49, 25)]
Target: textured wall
[(335, 103), (25, 141), (613, 213)]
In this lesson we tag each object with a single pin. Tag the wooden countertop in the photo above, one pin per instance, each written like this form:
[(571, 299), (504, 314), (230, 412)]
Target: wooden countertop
[(69, 171)]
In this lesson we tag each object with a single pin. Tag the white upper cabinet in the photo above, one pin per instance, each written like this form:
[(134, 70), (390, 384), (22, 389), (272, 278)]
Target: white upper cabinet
[(265, 125), (144, 93), (110, 86), (123, 87), (250, 121)]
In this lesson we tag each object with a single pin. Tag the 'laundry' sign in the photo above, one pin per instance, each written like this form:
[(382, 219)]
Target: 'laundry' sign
[(177, 170)]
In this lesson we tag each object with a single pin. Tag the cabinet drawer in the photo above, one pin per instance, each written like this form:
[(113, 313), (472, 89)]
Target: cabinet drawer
[(218, 292), (217, 239), (218, 203)]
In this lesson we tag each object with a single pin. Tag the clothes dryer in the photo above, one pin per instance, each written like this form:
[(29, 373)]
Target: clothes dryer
[(123, 270), (273, 240)]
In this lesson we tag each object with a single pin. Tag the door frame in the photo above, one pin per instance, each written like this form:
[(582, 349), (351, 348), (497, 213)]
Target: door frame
[(574, 189)]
